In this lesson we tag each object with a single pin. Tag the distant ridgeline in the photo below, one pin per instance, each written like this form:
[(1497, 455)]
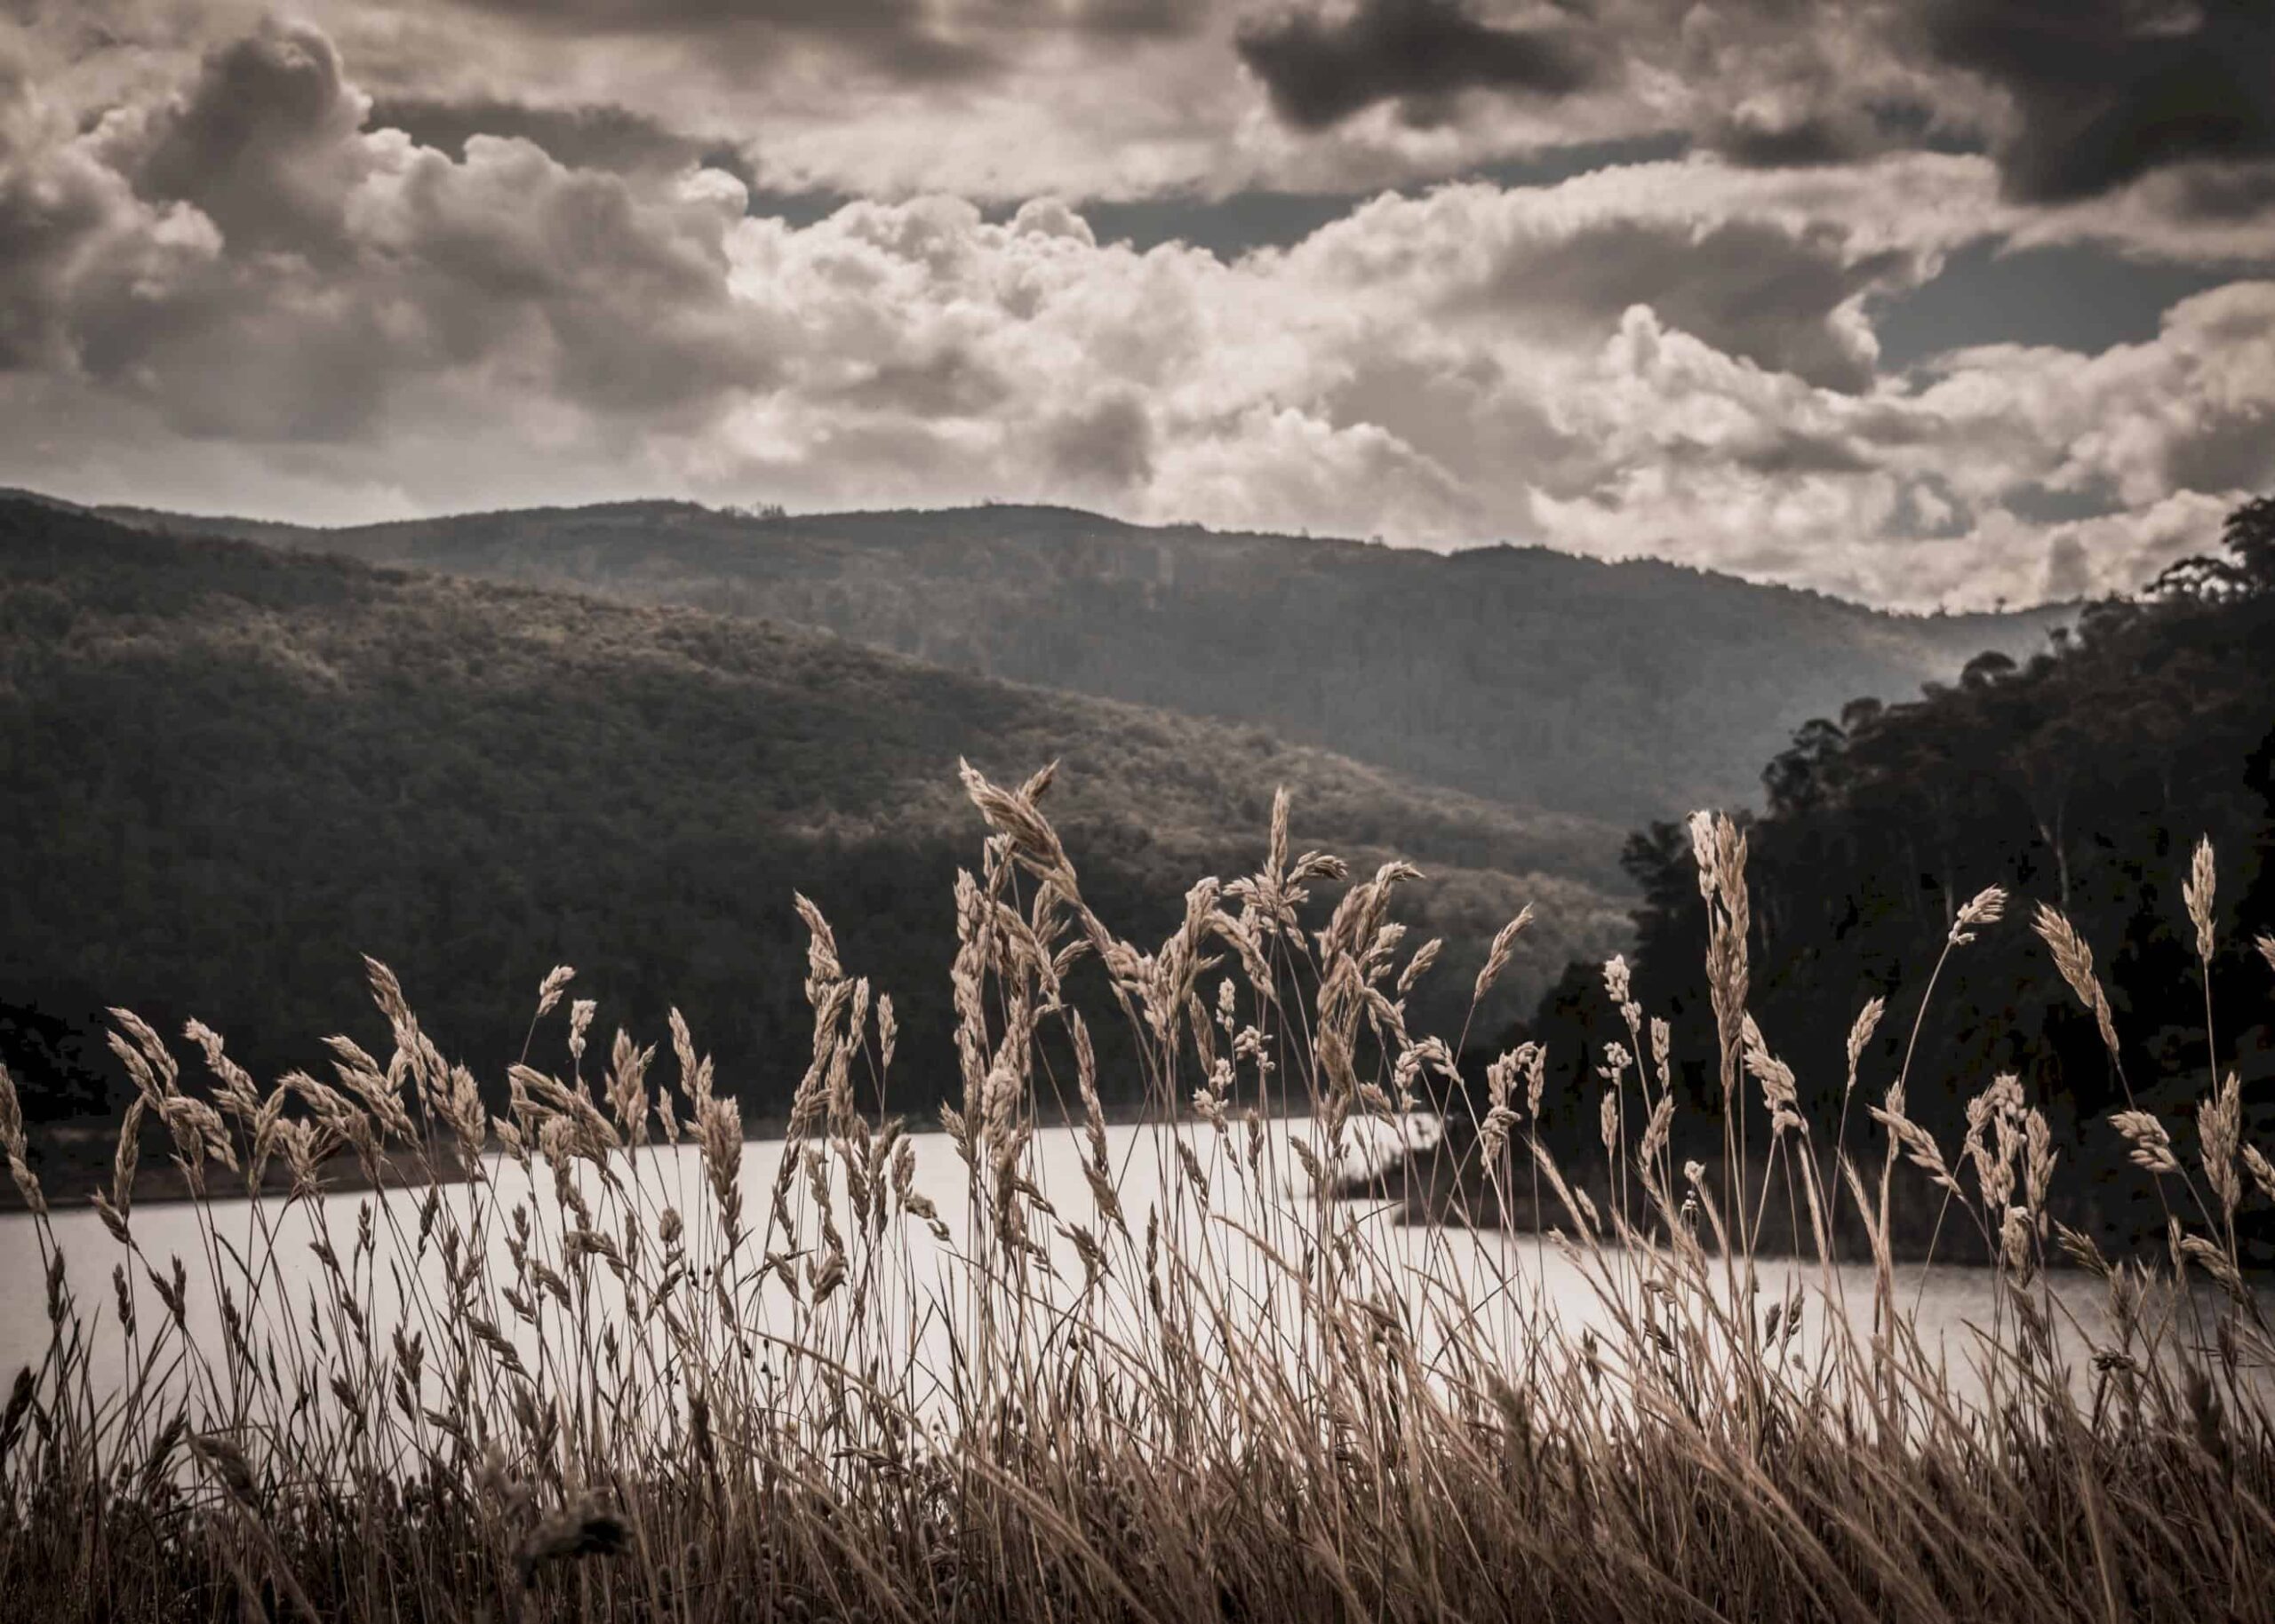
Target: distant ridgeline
[(228, 771), (1617, 691), (2082, 778)]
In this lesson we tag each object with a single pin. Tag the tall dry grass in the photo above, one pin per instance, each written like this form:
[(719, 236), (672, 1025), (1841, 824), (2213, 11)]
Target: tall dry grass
[(607, 1379)]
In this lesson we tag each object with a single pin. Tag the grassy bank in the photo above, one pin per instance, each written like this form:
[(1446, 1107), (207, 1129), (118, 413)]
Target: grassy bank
[(705, 1403)]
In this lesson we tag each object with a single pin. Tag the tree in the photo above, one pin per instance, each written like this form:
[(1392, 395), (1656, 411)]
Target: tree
[(1797, 779), (2079, 778), (1985, 669), (2249, 534), (2198, 578)]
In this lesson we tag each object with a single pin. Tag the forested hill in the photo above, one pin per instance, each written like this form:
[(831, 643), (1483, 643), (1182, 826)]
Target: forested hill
[(1624, 691), (2080, 779), (227, 771)]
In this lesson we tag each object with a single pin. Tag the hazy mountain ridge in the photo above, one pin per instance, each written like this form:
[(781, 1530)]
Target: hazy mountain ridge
[(231, 769), (1620, 692)]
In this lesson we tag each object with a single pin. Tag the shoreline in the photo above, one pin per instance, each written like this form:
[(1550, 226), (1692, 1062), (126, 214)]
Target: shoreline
[(72, 1162), (1920, 1227)]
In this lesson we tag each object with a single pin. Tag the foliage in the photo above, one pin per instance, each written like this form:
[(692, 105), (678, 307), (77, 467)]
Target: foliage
[(2079, 778), (628, 1384), (224, 771), (1619, 691)]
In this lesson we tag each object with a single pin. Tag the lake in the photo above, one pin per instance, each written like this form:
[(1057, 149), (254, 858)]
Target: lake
[(1257, 1224)]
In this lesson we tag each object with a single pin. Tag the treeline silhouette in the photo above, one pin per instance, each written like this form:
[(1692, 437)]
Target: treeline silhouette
[(2081, 778)]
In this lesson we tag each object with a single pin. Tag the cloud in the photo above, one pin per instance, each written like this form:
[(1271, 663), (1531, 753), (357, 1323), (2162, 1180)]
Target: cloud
[(248, 262), (581, 136), (1416, 53), (1783, 299), (1103, 450), (896, 37), (890, 43), (1773, 85), (2079, 100), (2075, 99), (2194, 409), (2099, 93), (2174, 430), (248, 289), (1773, 268), (2069, 574), (263, 142)]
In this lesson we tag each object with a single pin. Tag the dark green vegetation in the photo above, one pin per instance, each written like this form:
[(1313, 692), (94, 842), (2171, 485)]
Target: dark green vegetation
[(2081, 778), (225, 772), (1627, 691)]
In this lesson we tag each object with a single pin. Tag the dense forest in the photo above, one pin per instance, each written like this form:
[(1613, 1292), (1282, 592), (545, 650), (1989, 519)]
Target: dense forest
[(227, 771), (1620, 692), (2079, 778)]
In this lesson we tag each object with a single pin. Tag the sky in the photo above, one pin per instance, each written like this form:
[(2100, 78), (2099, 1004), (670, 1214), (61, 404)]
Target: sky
[(1941, 302)]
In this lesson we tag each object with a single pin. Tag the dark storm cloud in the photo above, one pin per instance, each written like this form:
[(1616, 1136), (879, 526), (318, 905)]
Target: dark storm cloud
[(1416, 53), (261, 141), (2105, 91), (2236, 192), (1805, 143), (1837, 128), (1747, 288), (2090, 94), (582, 137)]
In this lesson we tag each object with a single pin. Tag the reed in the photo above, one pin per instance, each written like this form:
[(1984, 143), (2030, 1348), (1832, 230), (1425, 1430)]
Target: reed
[(602, 1378)]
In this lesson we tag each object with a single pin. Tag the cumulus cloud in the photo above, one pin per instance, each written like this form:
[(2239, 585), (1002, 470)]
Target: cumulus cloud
[(263, 142), (1416, 53), (1915, 507), (251, 289), (248, 261), (1126, 98)]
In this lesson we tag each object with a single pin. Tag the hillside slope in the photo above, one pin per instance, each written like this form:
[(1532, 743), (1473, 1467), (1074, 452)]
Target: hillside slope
[(1617, 691), (225, 771)]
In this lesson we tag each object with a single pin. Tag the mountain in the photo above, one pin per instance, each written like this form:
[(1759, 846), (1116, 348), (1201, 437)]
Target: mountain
[(1618, 691), (227, 770)]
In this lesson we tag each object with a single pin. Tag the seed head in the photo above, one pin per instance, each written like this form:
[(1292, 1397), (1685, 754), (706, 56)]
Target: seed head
[(2198, 890)]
